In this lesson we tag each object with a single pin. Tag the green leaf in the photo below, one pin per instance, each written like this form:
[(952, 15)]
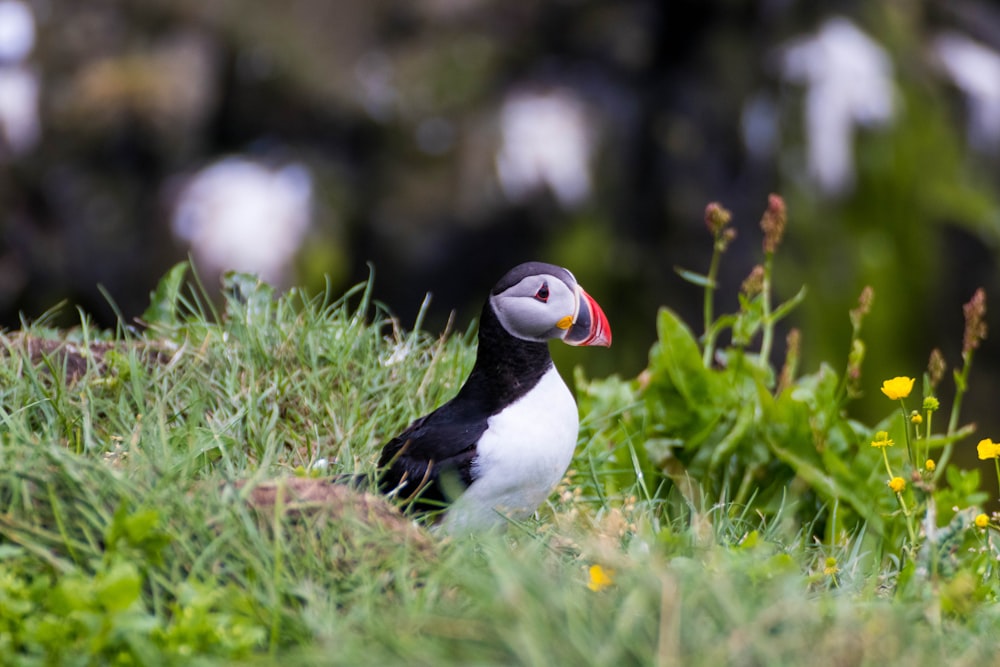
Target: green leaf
[(788, 306), (163, 300), (141, 525), (962, 481), (677, 355), (734, 438), (748, 322), (750, 542), (248, 294), (119, 588), (695, 278)]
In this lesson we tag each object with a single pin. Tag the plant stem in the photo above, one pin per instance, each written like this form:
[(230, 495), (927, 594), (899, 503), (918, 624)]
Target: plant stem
[(768, 335), (906, 434), (961, 381), (902, 503), (927, 435), (708, 306), (909, 521)]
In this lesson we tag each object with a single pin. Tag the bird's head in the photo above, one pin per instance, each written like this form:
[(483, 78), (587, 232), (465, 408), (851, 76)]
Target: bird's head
[(538, 302)]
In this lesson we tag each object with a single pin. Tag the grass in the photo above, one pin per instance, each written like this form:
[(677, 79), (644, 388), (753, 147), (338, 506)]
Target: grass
[(124, 540)]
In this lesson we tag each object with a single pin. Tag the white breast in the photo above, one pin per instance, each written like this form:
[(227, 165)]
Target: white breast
[(523, 454)]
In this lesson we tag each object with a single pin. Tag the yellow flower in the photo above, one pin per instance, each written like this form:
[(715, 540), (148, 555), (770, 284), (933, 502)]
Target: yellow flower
[(599, 578), (916, 418), (897, 387), (897, 484), (982, 521), (930, 465), (831, 567), (987, 449), (882, 440)]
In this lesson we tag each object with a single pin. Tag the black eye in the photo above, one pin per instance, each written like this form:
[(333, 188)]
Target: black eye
[(543, 293)]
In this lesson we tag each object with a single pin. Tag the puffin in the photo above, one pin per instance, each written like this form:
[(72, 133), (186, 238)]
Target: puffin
[(498, 448)]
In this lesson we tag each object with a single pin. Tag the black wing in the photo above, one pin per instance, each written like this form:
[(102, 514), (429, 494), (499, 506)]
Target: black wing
[(432, 459)]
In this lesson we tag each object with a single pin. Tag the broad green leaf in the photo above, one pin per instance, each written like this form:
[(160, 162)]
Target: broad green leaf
[(163, 300), (249, 295), (119, 588), (677, 355), (750, 542), (669, 412)]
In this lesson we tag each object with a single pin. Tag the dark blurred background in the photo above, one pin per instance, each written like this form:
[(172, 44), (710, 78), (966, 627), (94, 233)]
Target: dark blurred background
[(445, 141)]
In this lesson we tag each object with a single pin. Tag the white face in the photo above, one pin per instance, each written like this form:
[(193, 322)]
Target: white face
[(537, 308)]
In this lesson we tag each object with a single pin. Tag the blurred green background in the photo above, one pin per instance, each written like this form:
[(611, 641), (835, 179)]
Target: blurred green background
[(445, 141)]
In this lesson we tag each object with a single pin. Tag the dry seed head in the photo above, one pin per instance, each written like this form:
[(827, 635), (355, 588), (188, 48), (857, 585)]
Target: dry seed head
[(753, 284), (773, 223), (793, 343), (864, 306), (716, 218), (936, 367), (975, 322)]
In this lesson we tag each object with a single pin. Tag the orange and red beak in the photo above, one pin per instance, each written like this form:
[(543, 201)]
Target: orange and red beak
[(590, 325)]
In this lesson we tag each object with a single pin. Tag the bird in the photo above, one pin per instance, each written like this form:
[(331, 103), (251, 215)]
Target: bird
[(497, 449)]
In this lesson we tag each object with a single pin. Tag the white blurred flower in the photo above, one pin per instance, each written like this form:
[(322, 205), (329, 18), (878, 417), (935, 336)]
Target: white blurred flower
[(17, 31), (19, 122), (850, 82), (975, 69), (547, 141), (240, 215)]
